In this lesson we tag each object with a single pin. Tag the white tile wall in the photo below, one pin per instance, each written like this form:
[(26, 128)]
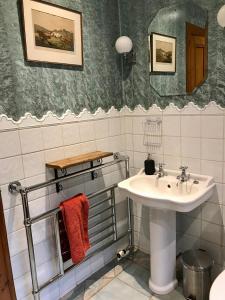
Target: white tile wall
[(128, 125), (70, 150), (71, 134), (14, 218), (192, 136), (34, 164), (27, 146), (10, 144), (101, 128), (172, 145), (52, 136), (11, 169), (190, 147), (87, 132), (212, 168), (171, 126), (212, 149), (31, 140), (190, 126), (212, 126), (114, 126), (17, 242)]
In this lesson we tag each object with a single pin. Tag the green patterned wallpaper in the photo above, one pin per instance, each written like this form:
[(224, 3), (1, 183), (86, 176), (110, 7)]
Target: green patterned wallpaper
[(135, 19), (37, 89)]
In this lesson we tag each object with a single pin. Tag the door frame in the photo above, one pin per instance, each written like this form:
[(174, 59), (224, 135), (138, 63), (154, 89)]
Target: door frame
[(5, 249), (198, 31)]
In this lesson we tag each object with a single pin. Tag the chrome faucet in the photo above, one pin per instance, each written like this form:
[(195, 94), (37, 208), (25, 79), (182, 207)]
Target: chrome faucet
[(161, 173), (183, 177)]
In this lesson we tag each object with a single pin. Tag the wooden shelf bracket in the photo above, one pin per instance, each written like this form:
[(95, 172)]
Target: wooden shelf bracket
[(60, 167)]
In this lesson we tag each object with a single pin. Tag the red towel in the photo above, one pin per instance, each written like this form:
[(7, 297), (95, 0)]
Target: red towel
[(75, 215)]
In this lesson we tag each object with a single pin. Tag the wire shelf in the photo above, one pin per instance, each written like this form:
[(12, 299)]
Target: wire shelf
[(152, 134)]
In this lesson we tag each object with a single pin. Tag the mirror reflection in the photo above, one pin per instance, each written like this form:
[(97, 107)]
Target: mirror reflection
[(178, 49)]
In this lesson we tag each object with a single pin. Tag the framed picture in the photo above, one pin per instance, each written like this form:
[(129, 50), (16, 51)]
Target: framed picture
[(52, 34), (163, 53)]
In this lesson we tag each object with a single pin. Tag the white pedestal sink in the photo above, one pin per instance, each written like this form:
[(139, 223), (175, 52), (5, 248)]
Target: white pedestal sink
[(165, 196)]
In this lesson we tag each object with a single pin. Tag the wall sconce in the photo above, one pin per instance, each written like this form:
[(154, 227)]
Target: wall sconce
[(221, 16), (124, 46)]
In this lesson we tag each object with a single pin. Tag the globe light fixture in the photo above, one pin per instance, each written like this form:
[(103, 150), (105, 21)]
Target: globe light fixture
[(221, 16), (124, 46)]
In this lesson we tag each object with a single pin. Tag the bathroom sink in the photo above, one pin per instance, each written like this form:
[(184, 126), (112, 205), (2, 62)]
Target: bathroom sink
[(165, 195), (167, 192)]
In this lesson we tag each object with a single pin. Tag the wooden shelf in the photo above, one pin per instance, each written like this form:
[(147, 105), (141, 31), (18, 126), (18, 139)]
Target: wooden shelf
[(78, 160)]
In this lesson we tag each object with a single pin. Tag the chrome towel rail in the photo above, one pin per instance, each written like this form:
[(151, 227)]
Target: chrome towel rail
[(16, 187)]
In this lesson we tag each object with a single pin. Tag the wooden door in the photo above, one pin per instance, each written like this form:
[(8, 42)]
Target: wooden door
[(7, 291), (197, 56)]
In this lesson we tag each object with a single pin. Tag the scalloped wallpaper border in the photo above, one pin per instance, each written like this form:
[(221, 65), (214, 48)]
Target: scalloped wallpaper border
[(28, 120)]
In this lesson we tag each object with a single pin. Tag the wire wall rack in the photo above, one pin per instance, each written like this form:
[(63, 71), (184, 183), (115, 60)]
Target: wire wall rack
[(111, 236), (152, 134)]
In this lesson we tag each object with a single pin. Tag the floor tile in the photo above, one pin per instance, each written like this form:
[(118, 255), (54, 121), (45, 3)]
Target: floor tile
[(142, 259), (136, 277), (118, 290), (129, 280)]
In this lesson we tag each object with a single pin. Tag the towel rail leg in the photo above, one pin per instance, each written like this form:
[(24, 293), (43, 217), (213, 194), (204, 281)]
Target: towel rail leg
[(30, 244), (114, 213), (58, 244), (129, 206)]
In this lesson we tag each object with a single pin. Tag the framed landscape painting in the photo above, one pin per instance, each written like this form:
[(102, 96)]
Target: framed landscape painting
[(163, 53), (52, 34)]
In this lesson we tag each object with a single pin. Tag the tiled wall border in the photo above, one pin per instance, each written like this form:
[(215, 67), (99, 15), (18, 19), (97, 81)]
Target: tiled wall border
[(28, 120)]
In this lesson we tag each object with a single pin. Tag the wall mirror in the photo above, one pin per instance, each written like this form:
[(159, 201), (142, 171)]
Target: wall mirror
[(178, 49)]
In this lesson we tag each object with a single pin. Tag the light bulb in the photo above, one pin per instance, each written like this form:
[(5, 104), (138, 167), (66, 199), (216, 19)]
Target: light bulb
[(221, 16), (123, 45)]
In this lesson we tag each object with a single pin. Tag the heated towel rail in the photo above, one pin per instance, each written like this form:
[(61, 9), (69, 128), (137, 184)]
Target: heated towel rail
[(16, 187)]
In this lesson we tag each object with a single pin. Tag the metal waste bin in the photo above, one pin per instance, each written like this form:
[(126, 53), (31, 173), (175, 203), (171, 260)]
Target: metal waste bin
[(197, 265)]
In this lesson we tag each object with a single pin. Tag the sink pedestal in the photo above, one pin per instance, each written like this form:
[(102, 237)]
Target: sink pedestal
[(164, 198), (163, 251)]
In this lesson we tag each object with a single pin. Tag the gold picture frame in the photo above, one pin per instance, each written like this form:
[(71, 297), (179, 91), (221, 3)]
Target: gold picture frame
[(52, 34)]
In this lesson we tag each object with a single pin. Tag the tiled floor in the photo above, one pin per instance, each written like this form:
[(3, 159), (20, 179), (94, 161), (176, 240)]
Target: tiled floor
[(126, 281)]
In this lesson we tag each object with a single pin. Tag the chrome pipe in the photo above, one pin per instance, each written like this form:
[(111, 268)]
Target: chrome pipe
[(101, 221), (101, 212), (48, 214), (114, 213), (16, 187), (30, 244), (101, 202), (127, 167), (86, 258), (129, 206), (93, 234), (58, 244), (97, 251), (53, 279), (92, 195), (70, 176), (54, 211), (101, 239)]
